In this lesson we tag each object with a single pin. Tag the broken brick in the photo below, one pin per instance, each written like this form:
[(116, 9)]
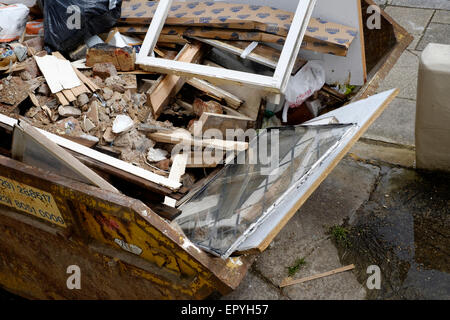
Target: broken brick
[(201, 106), (104, 70)]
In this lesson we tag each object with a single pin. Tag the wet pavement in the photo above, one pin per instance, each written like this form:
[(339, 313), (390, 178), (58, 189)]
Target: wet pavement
[(404, 229)]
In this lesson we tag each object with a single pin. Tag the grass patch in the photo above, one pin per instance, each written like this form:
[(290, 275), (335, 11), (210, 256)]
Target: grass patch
[(340, 235), (299, 263)]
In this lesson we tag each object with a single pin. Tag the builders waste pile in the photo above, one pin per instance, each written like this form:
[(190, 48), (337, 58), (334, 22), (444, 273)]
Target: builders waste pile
[(69, 68)]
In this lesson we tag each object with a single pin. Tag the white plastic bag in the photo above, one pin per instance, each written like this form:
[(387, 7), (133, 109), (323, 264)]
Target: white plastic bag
[(13, 20), (303, 85)]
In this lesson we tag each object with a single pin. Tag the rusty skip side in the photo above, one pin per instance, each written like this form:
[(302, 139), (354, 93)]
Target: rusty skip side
[(383, 47), (35, 253)]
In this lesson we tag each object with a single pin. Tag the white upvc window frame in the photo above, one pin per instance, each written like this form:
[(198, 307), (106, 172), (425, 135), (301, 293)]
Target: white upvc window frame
[(275, 84)]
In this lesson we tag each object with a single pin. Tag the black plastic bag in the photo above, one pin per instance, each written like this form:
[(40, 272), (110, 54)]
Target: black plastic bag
[(68, 23)]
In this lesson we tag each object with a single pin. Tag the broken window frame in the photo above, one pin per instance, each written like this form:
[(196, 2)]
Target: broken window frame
[(275, 84), (272, 208)]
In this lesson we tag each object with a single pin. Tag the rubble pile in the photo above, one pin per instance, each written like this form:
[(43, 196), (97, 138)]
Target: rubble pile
[(97, 96)]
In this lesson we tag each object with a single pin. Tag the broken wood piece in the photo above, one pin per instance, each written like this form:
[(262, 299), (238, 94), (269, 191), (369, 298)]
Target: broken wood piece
[(171, 84), (184, 137), (88, 82), (58, 73), (34, 100), (216, 92), (200, 161), (176, 172), (262, 54), (151, 128), (223, 34), (25, 136), (68, 94), (289, 281), (146, 84), (221, 122), (62, 99), (167, 212)]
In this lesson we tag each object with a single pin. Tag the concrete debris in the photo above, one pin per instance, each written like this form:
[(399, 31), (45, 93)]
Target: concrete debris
[(44, 90), (156, 155), (82, 99), (107, 93), (109, 136), (123, 140), (13, 91), (67, 111), (92, 112), (104, 70), (122, 123), (87, 124)]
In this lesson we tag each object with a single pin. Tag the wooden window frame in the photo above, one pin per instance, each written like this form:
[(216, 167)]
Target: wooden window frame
[(275, 84)]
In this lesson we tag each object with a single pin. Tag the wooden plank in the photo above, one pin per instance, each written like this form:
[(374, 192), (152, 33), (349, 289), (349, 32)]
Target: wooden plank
[(262, 54), (222, 122), (199, 162), (63, 156), (88, 82), (176, 172), (182, 136), (167, 212), (223, 34), (69, 95), (34, 100), (140, 183), (62, 99), (216, 92), (289, 281), (171, 84)]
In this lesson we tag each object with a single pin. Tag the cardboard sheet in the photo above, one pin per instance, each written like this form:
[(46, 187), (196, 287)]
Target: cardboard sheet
[(226, 21)]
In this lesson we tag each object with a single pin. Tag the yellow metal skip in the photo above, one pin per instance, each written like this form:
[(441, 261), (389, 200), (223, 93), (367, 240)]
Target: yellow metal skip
[(124, 250)]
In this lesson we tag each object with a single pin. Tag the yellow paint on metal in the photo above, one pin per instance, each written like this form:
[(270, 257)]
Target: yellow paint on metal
[(156, 248), (30, 200)]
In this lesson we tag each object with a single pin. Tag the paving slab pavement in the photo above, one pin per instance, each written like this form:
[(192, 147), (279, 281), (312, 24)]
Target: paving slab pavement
[(388, 146), (306, 236), (396, 124)]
